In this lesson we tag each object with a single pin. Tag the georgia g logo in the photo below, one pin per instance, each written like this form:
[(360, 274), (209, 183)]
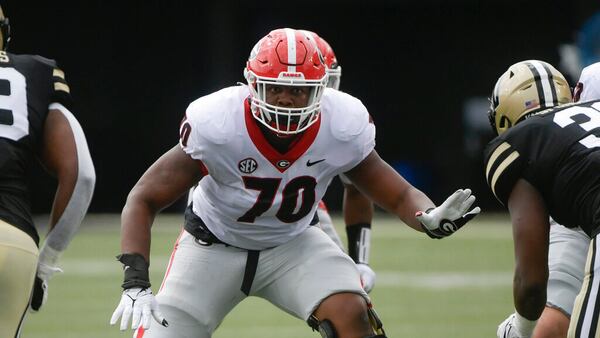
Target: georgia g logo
[(283, 164), (247, 165), (449, 227)]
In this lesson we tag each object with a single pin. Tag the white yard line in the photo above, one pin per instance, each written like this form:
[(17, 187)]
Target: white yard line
[(387, 278), (443, 280)]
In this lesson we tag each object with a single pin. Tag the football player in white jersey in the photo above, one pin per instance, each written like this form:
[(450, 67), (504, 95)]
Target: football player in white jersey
[(266, 153), (357, 208)]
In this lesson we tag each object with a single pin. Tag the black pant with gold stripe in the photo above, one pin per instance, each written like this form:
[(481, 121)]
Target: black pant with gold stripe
[(18, 263)]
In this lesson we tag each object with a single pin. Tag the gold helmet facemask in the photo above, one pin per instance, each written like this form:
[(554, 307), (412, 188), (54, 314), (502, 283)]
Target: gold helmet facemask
[(527, 87)]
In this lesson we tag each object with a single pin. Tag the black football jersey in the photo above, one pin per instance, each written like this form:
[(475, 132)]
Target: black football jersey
[(28, 85), (558, 152)]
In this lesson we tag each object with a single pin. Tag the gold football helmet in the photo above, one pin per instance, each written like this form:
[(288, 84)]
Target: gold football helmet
[(527, 87)]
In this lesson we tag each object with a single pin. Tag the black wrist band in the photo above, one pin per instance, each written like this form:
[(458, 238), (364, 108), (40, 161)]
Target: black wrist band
[(359, 242), (135, 269)]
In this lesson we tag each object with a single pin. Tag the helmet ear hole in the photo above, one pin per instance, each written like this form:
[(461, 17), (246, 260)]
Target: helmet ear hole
[(504, 122)]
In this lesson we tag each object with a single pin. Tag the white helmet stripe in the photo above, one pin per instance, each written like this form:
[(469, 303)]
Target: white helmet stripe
[(291, 43), (545, 81)]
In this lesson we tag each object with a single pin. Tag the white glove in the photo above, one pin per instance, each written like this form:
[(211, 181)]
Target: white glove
[(515, 326), (367, 276), (444, 220), (45, 270), (141, 303)]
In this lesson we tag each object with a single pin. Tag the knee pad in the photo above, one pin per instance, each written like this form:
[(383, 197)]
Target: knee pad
[(326, 329), (375, 321)]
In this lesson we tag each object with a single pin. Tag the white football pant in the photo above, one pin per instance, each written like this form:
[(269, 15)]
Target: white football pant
[(566, 262), (203, 283)]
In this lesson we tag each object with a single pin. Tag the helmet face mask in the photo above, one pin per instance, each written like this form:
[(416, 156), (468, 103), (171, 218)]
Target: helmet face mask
[(288, 58), (285, 120), (334, 75), (526, 88)]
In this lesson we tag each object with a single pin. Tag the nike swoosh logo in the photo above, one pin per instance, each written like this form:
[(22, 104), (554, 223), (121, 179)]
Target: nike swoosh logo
[(309, 163)]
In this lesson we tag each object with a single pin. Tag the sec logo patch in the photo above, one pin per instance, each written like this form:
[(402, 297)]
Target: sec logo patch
[(248, 165)]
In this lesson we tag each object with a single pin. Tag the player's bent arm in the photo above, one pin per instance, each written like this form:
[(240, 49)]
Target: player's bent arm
[(380, 182), (530, 233), (65, 155), (170, 177)]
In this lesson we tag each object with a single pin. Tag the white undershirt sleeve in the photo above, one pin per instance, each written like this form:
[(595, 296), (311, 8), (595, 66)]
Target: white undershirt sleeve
[(69, 222)]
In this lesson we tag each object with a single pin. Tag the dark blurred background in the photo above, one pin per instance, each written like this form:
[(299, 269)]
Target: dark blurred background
[(423, 69)]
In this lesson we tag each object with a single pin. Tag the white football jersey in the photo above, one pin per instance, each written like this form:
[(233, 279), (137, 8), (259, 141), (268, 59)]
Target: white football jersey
[(255, 197)]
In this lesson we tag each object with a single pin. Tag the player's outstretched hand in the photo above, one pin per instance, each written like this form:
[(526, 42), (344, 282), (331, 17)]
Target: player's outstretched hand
[(367, 276), (443, 221), (141, 304)]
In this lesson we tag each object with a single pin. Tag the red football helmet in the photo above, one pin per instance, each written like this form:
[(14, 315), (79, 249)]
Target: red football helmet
[(286, 57), (334, 70)]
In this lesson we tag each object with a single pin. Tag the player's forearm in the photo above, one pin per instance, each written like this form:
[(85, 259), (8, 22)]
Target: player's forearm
[(136, 221), (530, 299), (411, 201), (64, 192), (69, 208), (76, 181)]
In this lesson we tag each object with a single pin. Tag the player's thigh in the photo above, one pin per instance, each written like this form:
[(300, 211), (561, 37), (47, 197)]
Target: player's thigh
[(297, 276), (584, 319), (18, 263), (202, 282), (566, 263)]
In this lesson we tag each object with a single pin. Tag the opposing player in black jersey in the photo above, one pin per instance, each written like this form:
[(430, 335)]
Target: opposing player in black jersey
[(36, 124), (544, 163)]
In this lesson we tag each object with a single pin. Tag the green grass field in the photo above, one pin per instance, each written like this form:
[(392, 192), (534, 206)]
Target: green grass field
[(456, 287)]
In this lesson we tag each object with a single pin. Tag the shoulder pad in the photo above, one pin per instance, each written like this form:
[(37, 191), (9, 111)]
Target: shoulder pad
[(503, 166), (213, 116), (43, 60), (347, 115)]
